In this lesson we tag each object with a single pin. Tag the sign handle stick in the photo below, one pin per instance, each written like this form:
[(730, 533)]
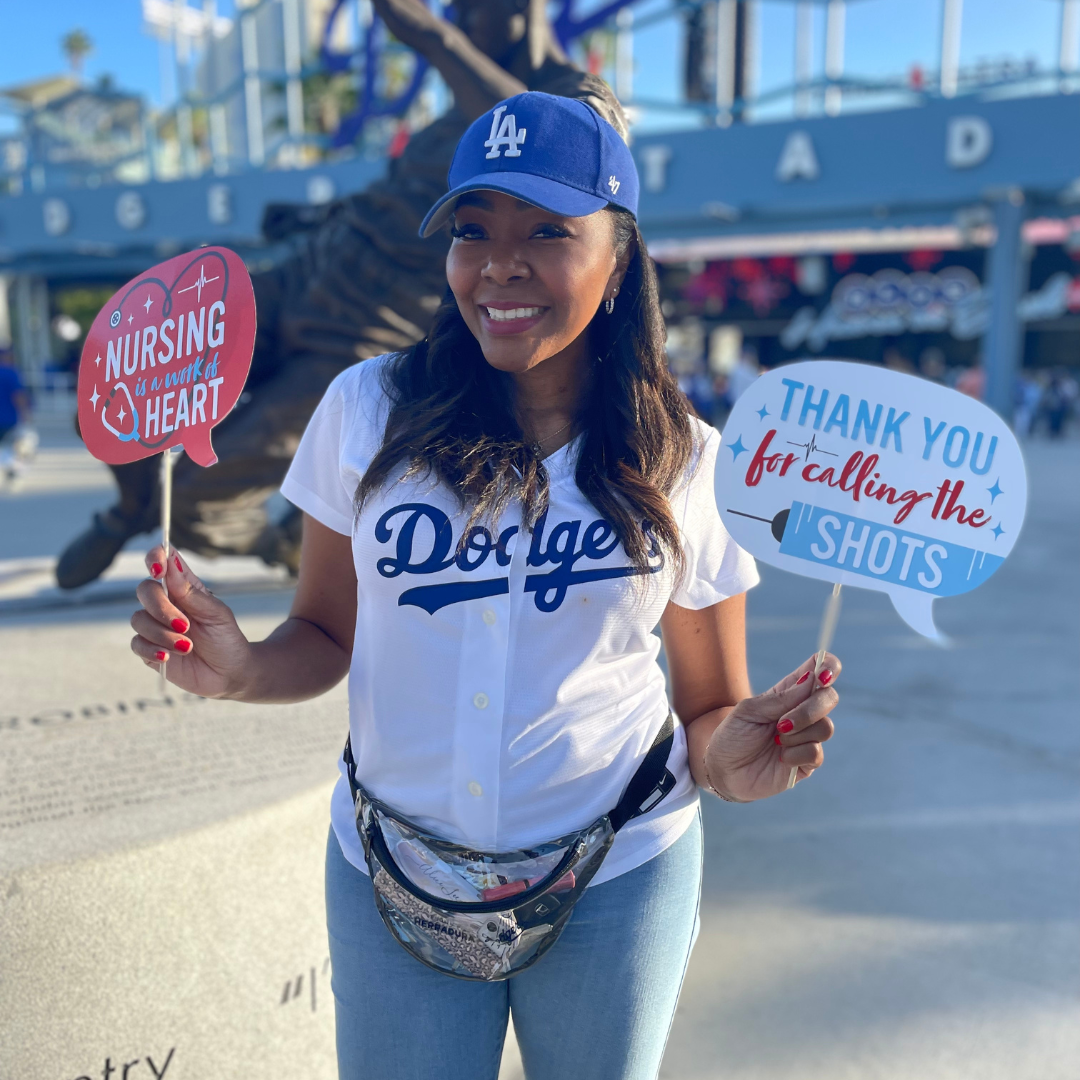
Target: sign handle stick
[(825, 636), (166, 526)]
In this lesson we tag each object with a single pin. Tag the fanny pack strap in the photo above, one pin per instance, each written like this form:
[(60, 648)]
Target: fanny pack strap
[(651, 783)]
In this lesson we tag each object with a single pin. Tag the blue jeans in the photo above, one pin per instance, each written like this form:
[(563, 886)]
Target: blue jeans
[(598, 1005)]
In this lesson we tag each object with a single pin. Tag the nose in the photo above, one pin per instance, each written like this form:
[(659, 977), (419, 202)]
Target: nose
[(505, 265)]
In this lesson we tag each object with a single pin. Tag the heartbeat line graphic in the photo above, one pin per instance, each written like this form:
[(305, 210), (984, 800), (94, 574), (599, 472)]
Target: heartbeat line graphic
[(811, 447), (203, 280)]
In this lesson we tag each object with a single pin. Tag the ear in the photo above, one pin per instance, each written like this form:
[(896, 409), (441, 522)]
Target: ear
[(622, 264)]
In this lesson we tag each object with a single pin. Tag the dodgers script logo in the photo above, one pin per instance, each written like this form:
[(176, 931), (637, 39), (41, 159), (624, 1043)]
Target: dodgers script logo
[(563, 547), (504, 134)]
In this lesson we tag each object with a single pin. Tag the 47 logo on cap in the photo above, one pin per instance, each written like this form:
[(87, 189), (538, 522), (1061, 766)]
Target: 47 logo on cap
[(504, 134)]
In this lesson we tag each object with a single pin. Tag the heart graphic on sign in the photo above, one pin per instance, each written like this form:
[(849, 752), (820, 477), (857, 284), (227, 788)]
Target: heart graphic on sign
[(167, 357)]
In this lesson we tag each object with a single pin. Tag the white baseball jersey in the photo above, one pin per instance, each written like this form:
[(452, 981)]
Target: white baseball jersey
[(503, 692)]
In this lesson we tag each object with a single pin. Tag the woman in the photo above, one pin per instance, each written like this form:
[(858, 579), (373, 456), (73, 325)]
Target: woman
[(496, 520)]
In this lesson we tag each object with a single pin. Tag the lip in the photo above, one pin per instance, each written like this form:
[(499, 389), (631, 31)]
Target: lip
[(505, 327)]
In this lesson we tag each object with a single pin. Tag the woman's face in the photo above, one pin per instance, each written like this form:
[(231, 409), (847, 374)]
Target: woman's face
[(528, 282)]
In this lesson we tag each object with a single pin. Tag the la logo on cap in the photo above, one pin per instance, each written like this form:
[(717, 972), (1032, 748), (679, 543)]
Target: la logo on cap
[(504, 134)]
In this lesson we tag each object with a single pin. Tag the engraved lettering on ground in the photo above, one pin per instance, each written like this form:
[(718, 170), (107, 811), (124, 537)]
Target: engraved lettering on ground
[(54, 717), (295, 987), (132, 1068)]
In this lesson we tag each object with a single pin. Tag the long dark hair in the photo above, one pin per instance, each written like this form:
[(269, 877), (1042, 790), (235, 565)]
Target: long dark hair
[(452, 416)]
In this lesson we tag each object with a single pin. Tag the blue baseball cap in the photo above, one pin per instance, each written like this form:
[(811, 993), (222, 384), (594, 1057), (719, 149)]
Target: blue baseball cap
[(554, 152)]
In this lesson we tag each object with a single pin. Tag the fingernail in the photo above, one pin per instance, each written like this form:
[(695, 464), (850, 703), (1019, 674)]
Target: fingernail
[(825, 677), (784, 726), (183, 645), (159, 655), (178, 565), (776, 739), (179, 625), (806, 675), (156, 569)]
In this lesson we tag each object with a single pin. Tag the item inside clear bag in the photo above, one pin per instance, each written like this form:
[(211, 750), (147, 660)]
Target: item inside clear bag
[(453, 873)]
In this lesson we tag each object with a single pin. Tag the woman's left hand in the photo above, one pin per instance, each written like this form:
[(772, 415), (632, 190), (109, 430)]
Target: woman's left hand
[(753, 750)]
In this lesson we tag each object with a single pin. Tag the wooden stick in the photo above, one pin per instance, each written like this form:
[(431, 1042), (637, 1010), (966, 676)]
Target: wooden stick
[(166, 526), (825, 635)]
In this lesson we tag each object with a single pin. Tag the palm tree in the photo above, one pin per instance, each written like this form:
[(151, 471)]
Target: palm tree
[(76, 44)]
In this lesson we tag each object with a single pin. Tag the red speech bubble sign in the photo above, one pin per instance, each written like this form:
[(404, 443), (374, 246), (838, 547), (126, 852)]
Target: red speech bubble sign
[(167, 358)]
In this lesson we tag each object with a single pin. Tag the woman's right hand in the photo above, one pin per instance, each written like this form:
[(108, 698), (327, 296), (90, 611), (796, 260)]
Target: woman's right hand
[(191, 632)]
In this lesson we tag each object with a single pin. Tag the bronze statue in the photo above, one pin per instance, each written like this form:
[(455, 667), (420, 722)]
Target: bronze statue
[(360, 284)]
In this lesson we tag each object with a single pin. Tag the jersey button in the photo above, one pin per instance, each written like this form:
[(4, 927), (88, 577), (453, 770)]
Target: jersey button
[(488, 616), (475, 789), (480, 700)]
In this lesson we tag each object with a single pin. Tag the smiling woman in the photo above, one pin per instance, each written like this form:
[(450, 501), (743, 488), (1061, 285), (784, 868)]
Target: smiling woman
[(496, 521), (523, 355)]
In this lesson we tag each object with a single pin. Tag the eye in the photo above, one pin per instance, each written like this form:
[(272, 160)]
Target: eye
[(466, 231), (548, 231)]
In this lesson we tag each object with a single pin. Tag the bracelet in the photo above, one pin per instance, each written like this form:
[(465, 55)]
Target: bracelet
[(711, 786)]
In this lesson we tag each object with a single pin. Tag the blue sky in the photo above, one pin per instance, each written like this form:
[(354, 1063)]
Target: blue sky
[(883, 37)]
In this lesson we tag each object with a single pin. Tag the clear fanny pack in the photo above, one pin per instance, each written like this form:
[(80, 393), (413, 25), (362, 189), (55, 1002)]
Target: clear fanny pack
[(481, 915)]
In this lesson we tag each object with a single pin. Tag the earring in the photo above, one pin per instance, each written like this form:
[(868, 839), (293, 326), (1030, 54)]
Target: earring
[(609, 305)]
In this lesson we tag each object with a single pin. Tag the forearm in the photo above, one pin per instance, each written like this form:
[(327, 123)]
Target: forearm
[(296, 662), (476, 80)]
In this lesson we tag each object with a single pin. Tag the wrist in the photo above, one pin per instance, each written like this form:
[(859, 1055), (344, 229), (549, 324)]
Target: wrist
[(243, 678), (714, 778)]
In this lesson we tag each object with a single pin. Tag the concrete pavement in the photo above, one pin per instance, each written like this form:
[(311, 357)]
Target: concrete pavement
[(910, 913)]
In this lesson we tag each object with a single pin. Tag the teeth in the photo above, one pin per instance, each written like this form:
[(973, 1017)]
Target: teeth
[(499, 315)]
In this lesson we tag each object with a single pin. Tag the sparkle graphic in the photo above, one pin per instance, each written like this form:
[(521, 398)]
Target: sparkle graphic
[(130, 318), (121, 414), (763, 412), (203, 280), (95, 396), (997, 531), (995, 491), (97, 360), (736, 448), (147, 305)]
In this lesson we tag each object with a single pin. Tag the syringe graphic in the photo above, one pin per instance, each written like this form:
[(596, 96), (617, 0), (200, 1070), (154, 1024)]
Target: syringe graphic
[(777, 524)]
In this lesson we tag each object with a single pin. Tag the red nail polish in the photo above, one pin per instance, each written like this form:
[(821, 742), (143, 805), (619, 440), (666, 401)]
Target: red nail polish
[(159, 655), (776, 739), (784, 726), (806, 675), (178, 566), (179, 625), (183, 645), (825, 677), (156, 569)]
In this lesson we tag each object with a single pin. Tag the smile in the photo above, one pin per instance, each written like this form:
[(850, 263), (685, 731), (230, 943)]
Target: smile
[(501, 315)]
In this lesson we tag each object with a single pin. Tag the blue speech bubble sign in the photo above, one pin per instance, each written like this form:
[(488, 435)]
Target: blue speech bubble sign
[(868, 477)]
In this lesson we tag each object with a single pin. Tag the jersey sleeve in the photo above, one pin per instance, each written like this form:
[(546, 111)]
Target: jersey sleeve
[(715, 566), (317, 481)]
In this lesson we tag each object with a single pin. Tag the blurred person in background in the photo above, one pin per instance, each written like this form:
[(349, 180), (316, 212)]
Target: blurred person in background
[(895, 360), (742, 375), (14, 418), (972, 381), (361, 283), (1027, 402), (1059, 401), (932, 364)]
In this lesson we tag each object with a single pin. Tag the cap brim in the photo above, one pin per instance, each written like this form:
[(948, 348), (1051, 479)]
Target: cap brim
[(539, 190)]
